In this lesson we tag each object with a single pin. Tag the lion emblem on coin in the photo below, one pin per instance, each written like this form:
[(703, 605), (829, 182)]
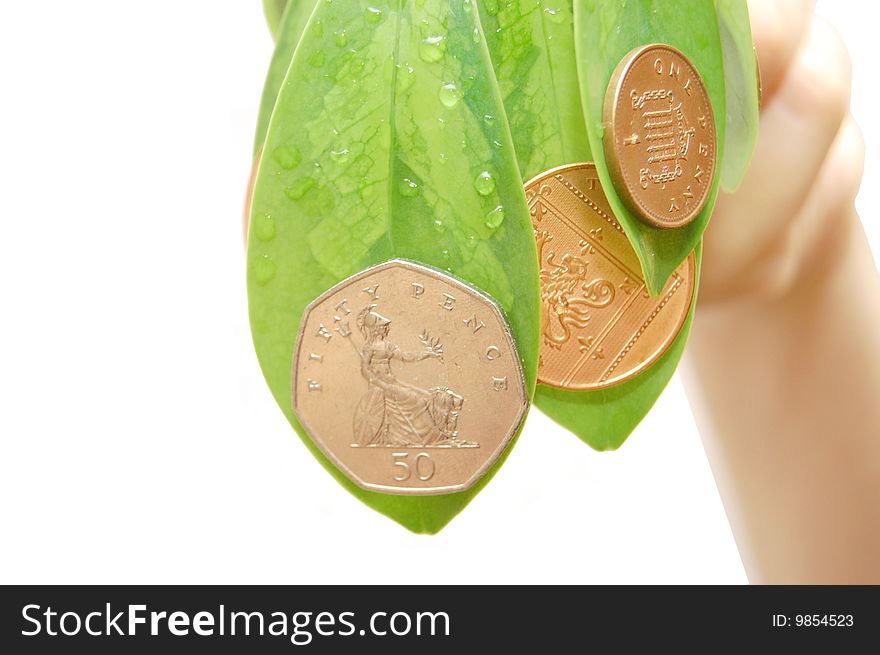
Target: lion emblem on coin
[(567, 294)]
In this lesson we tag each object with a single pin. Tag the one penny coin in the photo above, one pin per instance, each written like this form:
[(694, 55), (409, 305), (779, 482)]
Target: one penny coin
[(660, 140)]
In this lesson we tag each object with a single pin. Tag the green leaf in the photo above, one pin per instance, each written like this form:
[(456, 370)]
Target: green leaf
[(741, 90), (605, 32), (287, 37), (386, 121), (532, 49), (274, 10), (605, 418)]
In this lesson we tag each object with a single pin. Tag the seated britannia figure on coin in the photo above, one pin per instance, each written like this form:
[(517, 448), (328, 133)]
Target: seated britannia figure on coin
[(392, 412)]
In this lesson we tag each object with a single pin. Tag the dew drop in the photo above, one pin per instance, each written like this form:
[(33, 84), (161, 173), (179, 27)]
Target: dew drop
[(340, 156), (367, 190), (264, 270), (489, 119), (432, 48), (439, 225), (476, 35), (492, 7), (407, 188), (341, 39), (485, 183), (300, 188), (450, 94), (554, 16), (318, 29), (287, 157), (317, 59), (374, 15), (264, 227), (406, 77), (495, 218)]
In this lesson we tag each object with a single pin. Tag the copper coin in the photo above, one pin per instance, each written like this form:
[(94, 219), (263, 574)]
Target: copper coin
[(660, 140), (599, 325), (408, 380)]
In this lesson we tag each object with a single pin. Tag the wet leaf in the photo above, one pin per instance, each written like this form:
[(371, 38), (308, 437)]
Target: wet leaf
[(274, 11), (287, 37), (532, 49), (379, 147), (605, 32), (741, 90)]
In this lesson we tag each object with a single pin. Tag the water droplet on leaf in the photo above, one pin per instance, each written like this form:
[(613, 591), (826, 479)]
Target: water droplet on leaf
[(450, 94), (340, 156), (432, 48), (287, 157), (264, 227), (300, 188), (554, 16), (407, 188), (374, 15), (495, 218), (367, 190), (264, 270), (406, 77), (485, 183)]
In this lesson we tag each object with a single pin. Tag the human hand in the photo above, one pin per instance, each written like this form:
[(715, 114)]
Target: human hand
[(807, 166), (783, 366)]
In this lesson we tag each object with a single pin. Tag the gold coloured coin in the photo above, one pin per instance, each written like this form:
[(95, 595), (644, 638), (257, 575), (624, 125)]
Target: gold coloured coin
[(660, 140), (599, 325), (408, 380)]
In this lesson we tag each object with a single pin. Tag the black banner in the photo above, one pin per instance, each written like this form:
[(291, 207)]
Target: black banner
[(422, 619)]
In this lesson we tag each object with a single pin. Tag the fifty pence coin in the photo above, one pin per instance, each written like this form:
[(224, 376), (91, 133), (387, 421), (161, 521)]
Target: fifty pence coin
[(408, 380), (660, 141), (599, 325)]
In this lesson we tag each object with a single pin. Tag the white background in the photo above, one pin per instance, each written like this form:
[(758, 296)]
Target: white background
[(140, 443)]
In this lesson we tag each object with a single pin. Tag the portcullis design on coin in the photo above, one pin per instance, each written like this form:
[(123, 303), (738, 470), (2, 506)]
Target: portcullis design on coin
[(408, 380), (660, 140), (599, 325)]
